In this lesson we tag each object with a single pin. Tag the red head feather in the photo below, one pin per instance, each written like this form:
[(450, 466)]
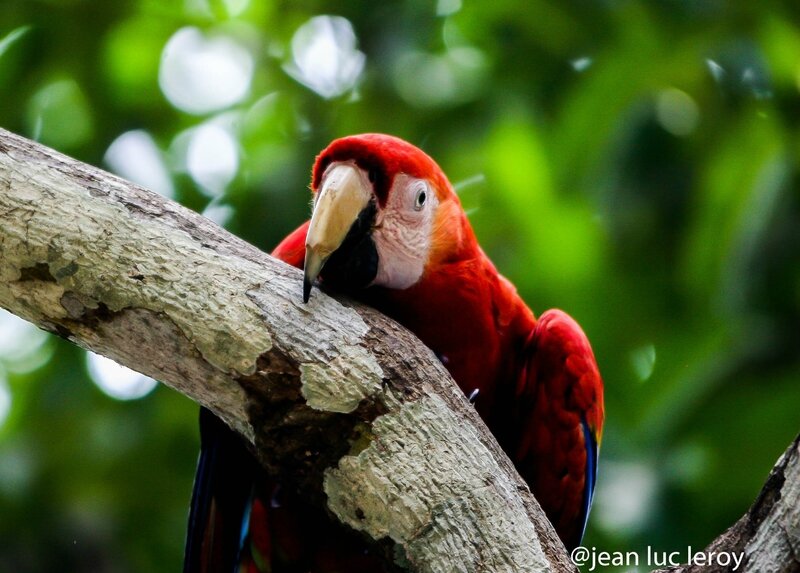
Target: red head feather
[(382, 157)]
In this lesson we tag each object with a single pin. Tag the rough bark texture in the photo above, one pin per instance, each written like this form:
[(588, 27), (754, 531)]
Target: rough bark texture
[(768, 535), (335, 398)]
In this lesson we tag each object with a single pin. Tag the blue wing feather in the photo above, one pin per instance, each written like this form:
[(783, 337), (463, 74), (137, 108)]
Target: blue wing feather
[(222, 488), (591, 473)]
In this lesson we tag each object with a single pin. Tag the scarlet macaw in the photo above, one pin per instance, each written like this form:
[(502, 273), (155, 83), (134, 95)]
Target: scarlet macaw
[(388, 228)]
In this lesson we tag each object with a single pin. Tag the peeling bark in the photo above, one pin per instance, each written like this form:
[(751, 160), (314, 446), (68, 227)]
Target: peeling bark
[(335, 398)]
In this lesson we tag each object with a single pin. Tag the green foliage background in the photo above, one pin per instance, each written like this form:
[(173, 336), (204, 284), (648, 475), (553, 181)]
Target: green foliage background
[(635, 164)]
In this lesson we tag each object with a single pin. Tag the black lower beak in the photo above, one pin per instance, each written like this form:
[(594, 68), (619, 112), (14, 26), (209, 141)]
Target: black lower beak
[(352, 266)]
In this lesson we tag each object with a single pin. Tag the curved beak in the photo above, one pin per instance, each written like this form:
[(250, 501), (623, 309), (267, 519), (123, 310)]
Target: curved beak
[(341, 198)]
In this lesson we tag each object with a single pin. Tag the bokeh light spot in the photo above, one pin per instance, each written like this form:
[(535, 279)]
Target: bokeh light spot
[(212, 158), (643, 361), (626, 496), (18, 337), (18, 467), (215, 8), (754, 80), (135, 156), (581, 64), (118, 381), (218, 212), (324, 56), (448, 7), (677, 112), (23, 347), (717, 71), (59, 115), (9, 39), (201, 74), (236, 7), (429, 80), (689, 463)]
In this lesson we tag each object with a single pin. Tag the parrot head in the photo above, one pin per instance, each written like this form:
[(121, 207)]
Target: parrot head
[(383, 213)]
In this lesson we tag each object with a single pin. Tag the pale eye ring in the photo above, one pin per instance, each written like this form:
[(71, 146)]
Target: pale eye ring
[(421, 199)]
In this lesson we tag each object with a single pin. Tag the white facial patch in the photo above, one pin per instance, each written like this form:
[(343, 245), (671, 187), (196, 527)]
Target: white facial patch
[(402, 232)]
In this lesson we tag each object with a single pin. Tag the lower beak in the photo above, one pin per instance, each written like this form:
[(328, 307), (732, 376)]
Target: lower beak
[(341, 198)]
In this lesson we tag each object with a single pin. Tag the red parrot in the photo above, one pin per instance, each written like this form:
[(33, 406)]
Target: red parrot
[(387, 228)]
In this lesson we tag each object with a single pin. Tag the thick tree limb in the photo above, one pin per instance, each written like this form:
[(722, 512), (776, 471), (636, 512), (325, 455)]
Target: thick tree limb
[(768, 535), (334, 396)]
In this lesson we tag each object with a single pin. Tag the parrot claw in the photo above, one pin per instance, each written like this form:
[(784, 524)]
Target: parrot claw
[(473, 396)]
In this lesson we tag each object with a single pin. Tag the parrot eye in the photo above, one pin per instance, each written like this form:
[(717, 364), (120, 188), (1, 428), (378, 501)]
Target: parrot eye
[(372, 174), (422, 196)]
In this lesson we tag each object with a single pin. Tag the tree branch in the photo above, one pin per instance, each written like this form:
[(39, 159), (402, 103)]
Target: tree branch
[(335, 397), (768, 535)]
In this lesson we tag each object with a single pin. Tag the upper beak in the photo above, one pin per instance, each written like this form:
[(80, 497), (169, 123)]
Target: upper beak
[(342, 196)]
